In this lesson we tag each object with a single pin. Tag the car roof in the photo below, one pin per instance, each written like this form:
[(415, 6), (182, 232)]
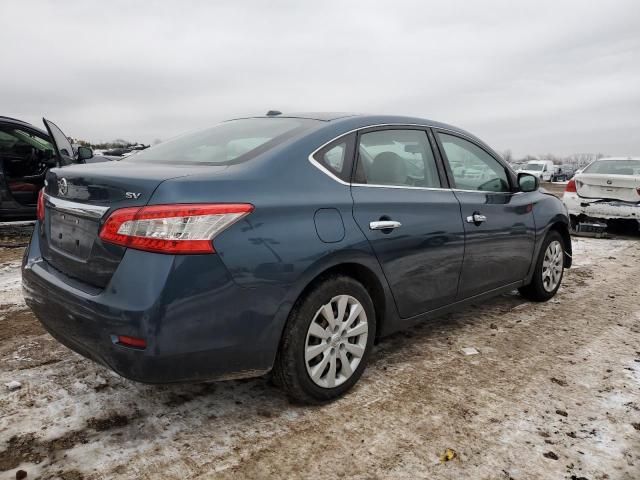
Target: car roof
[(333, 116), (14, 120), (321, 116), (21, 123), (362, 120)]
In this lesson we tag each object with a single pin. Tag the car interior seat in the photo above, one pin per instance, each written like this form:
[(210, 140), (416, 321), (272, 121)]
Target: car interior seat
[(388, 168)]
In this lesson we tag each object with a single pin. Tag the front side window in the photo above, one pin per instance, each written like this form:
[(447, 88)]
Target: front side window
[(396, 158), (230, 142), (472, 167)]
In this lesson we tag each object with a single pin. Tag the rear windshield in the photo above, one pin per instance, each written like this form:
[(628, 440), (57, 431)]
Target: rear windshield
[(230, 142), (614, 167)]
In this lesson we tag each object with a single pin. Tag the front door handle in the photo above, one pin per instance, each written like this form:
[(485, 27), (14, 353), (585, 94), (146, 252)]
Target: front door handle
[(476, 218), (384, 225)]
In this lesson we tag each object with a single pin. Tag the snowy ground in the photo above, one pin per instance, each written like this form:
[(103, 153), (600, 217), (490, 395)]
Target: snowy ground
[(553, 393)]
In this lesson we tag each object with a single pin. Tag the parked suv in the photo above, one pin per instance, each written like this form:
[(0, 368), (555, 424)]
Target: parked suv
[(26, 153), (285, 244)]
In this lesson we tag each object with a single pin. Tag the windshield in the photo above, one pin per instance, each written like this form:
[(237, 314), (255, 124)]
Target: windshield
[(534, 166), (614, 167), (227, 143)]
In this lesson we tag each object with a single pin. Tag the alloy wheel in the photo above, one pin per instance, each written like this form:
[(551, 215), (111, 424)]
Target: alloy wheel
[(552, 266)]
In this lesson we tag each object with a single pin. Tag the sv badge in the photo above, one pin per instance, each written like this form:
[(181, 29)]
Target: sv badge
[(132, 195)]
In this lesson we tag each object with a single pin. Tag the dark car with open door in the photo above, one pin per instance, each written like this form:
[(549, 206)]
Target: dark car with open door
[(26, 153)]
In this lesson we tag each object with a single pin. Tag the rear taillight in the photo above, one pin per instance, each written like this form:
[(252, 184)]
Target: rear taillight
[(132, 342), (40, 208), (571, 186), (181, 228), (638, 190)]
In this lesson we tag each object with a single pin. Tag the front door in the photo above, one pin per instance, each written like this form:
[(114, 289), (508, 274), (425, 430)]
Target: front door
[(412, 223), (64, 149), (498, 221), (23, 155)]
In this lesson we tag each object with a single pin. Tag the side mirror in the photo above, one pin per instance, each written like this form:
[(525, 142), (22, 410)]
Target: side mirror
[(528, 182), (84, 153)]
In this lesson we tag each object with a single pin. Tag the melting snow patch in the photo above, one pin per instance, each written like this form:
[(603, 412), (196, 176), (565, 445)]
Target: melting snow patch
[(469, 351), (13, 385), (11, 284)]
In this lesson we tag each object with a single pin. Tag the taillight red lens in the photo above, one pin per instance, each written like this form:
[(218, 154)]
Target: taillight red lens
[(181, 228), (131, 341), (571, 186), (40, 208)]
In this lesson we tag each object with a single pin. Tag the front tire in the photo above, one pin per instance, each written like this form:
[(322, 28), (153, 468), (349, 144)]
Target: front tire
[(327, 340), (547, 276)]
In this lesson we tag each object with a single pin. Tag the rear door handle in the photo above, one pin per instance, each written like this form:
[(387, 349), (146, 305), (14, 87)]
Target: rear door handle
[(476, 218), (384, 225)]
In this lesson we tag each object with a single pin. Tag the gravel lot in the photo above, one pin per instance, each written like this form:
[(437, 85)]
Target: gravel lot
[(553, 393)]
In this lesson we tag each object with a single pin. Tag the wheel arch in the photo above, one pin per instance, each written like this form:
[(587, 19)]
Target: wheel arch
[(563, 229), (363, 275), (363, 269)]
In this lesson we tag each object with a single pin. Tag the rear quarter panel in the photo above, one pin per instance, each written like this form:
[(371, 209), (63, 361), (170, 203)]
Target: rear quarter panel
[(276, 252)]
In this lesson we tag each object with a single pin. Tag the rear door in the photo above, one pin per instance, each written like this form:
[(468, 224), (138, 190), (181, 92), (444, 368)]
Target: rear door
[(498, 222), (410, 218)]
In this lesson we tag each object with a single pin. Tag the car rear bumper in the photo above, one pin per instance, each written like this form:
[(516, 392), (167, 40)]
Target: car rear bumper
[(595, 208), (198, 324)]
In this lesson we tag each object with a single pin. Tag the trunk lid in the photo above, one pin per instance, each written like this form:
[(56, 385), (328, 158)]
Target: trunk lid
[(625, 188), (79, 198)]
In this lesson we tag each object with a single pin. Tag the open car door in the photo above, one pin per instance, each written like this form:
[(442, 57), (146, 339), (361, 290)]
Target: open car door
[(64, 150)]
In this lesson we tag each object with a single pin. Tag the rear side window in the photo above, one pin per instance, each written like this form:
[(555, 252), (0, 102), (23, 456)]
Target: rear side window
[(472, 167), (227, 143), (397, 158), (337, 157)]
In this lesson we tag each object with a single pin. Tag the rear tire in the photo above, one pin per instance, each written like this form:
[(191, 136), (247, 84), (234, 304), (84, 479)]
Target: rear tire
[(547, 276), (327, 341)]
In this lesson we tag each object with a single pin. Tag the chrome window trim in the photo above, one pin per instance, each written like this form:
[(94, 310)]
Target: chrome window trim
[(324, 169), (75, 208), (331, 175), (485, 191), (406, 187)]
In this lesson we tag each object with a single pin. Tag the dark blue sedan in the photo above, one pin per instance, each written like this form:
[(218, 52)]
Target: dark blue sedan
[(284, 243)]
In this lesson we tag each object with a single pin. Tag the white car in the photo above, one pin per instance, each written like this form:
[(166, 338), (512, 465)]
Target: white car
[(607, 189), (543, 169)]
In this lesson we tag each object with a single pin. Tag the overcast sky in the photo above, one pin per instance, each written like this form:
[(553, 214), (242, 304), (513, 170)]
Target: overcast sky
[(533, 77)]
